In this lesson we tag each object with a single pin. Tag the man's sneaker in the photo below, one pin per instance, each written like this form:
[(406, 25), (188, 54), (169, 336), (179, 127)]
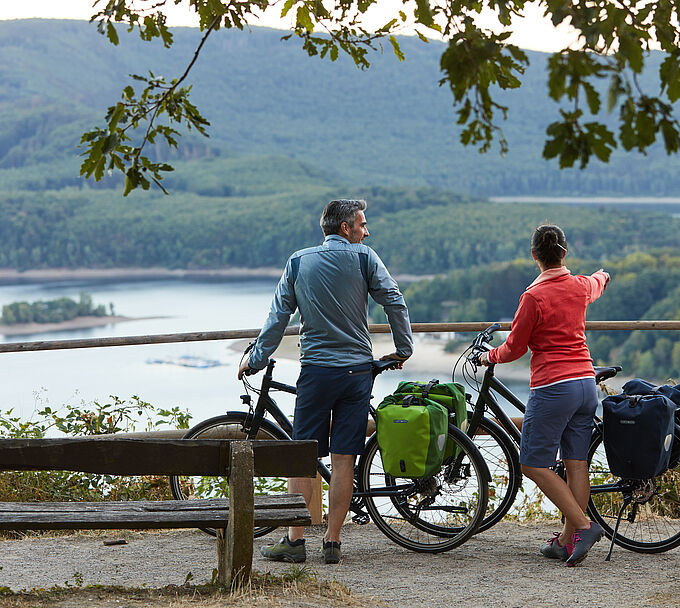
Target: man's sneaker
[(583, 541), (554, 550), (331, 551), (286, 550)]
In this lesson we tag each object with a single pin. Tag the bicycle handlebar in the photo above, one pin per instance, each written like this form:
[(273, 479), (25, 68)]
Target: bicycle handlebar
[(378, 367), (481, 341), (485, 336)]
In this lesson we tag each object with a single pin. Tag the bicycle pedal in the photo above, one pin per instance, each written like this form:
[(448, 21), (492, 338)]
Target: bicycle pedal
[(361, 518)]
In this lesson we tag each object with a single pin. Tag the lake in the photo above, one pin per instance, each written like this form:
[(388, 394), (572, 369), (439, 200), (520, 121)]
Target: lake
[(32, 380), (74, 376)]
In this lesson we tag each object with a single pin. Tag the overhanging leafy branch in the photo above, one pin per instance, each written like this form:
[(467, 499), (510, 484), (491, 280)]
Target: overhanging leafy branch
[(614, 40)]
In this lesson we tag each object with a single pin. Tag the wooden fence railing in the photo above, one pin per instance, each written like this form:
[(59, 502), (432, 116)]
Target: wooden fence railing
[(315, 506), (236, 334)]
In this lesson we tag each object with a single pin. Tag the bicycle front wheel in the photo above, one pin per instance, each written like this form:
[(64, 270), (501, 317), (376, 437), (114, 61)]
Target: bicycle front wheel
[(231, 425), (651, 522), (431, 514), (501, 456)]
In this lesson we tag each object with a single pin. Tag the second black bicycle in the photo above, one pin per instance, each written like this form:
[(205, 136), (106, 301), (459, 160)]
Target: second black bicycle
[(431, 514)]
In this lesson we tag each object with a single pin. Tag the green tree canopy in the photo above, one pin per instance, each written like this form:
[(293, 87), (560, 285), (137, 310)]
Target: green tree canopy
[(614, 41)]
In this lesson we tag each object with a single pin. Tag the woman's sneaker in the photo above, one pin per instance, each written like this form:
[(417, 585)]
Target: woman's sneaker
[(331, 551), (554, 550), (583, 541), (286, 550)]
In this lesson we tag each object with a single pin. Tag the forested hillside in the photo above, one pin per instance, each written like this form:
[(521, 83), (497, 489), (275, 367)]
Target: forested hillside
[(390, 125), (416, 231), (289, 133)]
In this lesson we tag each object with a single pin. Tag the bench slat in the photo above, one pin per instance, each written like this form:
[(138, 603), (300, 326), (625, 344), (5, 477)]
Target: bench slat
[(117, 518), (276, 501), (154, 456)]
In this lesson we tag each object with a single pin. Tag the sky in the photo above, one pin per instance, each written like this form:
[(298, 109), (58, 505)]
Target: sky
[(533, 32)]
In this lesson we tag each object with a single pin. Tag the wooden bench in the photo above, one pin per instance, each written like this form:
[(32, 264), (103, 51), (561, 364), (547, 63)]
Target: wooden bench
[(232, 517)]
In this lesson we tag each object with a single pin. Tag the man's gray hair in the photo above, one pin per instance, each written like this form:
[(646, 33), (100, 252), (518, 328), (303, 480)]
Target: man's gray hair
[(337, 212)]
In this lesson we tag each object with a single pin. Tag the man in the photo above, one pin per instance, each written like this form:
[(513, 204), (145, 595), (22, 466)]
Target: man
[(330, 284)]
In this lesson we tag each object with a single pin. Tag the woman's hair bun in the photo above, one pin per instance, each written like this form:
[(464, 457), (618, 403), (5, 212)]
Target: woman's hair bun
[(549, 244)]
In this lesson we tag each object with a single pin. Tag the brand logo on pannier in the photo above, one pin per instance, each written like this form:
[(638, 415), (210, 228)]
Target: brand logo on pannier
[(626, 421), (397, 421)]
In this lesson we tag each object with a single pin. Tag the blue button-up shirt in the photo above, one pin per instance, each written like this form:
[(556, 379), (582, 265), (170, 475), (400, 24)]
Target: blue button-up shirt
[(330, 285)]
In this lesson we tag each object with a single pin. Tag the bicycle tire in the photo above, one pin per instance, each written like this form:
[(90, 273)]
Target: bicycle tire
[(502, 458), (457, 504), (655, 527), (226, 426)]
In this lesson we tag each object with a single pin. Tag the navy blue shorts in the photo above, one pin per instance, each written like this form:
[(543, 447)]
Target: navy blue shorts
[(340, 394), (560, 415)]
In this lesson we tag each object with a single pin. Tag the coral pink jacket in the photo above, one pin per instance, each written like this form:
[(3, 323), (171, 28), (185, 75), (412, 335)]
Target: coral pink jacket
[(551, 322)]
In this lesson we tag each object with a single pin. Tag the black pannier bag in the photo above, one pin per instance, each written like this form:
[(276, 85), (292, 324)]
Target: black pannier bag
[(638, 434), (638, 386)]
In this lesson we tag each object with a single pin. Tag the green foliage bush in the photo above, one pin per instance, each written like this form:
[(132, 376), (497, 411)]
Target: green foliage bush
[(116, 416)]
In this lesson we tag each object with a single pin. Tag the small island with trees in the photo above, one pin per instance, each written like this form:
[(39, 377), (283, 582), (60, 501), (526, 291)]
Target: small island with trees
[(54, 315)]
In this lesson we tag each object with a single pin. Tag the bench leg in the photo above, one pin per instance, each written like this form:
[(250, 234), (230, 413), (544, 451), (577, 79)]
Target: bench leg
[(235, 544)]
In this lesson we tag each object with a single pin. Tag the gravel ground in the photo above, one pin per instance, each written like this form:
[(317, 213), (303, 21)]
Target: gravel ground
[(500, 567)]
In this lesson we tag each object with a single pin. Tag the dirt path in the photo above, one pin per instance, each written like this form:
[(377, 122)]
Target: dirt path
[(500, 567)]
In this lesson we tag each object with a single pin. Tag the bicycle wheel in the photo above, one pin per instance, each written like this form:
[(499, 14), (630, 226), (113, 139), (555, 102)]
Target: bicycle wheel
[(502, 458), (651, 522), (431, 514), (227, 426)]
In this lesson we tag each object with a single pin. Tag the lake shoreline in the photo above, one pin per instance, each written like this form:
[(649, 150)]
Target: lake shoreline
[(10, 276), (429, 359), (28, 329)]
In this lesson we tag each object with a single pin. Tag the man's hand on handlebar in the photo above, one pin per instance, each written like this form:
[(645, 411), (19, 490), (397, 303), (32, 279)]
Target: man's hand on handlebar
[(245, 368), (397, 358)]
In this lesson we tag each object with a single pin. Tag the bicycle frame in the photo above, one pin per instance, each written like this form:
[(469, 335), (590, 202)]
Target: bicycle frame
[(265, 403), (486, 400)]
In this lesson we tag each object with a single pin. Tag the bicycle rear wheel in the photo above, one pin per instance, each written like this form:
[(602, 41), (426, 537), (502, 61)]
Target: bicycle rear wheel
[(431, 514), (501, 456), (651, 522), (228, 426)]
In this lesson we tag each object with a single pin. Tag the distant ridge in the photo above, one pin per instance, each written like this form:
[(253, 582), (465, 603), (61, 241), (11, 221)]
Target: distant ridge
[(390, 125)]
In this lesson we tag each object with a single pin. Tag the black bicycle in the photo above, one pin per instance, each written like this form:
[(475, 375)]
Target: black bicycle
[(431, 514), (650, 508)]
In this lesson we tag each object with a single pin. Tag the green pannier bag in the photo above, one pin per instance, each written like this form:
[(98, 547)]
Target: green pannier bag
[(449, 394), (412, 433), (406, 453)]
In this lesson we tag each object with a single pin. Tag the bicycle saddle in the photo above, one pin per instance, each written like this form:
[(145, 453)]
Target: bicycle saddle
[(602, 373)]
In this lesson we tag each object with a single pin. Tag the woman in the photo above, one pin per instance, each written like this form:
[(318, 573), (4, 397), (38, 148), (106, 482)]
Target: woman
[(550, 321)]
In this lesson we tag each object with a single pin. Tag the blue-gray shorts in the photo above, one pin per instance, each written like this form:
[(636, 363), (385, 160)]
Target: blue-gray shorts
[(560, 415), (340, 394)]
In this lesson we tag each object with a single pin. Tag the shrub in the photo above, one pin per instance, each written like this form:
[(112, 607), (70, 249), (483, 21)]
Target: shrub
[(86, 419)]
